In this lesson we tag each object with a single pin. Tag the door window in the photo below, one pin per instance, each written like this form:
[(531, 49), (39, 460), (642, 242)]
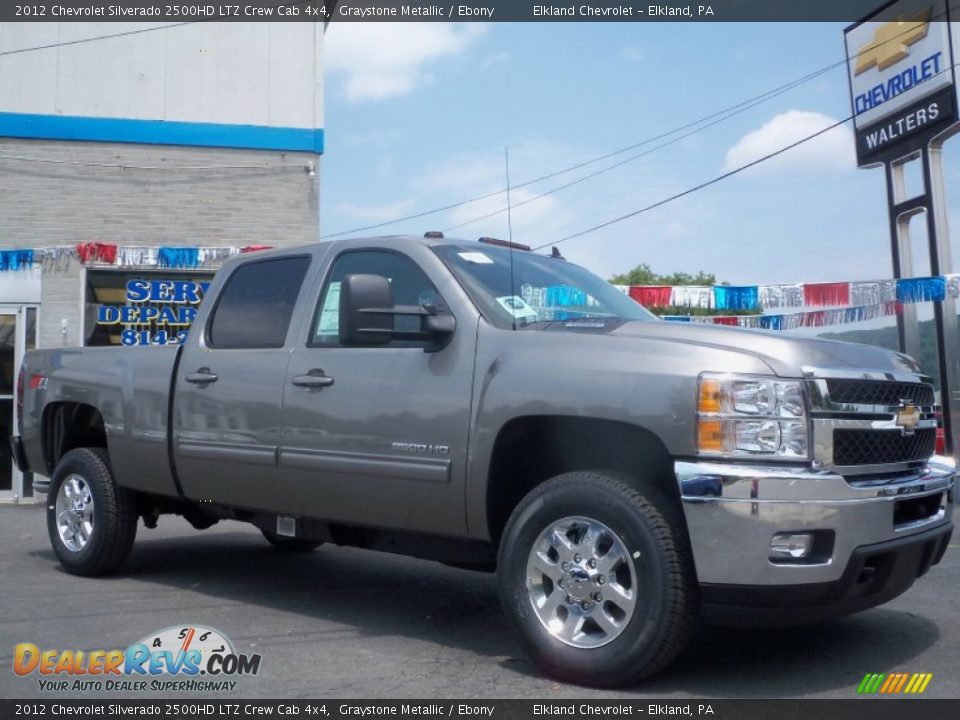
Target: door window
[(256, 304), (410, 284)]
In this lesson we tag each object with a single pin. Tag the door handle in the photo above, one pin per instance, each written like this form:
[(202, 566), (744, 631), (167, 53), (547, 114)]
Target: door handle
[(203, 376), (314, 379)]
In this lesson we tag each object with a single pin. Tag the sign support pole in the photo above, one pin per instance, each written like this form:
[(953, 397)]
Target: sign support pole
[(945, 313), (932, 204), (897, 123)]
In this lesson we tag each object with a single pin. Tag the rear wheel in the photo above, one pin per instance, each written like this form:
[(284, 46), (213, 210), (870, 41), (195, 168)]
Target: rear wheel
[(598, 583), (91, 522), (291, 544)]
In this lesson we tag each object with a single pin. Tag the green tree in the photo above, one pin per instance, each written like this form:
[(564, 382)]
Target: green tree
[(643, 275)]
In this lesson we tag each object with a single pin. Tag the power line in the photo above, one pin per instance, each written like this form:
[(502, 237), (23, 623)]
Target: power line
[(718, 178), (701, 186), (727, 112), (608, 168), (80, 41)]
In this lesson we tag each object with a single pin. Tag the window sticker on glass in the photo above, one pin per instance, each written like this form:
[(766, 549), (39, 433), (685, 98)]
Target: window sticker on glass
[(515, 305), (329, 322), (476, 257)]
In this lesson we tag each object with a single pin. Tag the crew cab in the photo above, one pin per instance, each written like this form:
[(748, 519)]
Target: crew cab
[(493, 408)]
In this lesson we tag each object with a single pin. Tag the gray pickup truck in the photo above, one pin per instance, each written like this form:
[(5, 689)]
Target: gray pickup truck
[(493, 408)]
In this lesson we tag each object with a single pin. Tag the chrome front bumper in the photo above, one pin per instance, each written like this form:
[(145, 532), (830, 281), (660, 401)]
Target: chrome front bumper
[(734, 510)]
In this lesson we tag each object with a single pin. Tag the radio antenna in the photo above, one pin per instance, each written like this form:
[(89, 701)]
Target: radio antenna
[(513, 294)]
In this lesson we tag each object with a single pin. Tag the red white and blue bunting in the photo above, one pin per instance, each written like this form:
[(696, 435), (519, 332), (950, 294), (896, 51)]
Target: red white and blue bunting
[(818, 304), (841, 303), (58, 258)]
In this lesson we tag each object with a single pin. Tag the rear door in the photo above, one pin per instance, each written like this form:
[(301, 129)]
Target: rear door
[(384, 442), (230, 383)]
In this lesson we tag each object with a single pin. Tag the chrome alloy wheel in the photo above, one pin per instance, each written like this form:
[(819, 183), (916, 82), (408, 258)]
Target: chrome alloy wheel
[(74, 513), (581, 582)]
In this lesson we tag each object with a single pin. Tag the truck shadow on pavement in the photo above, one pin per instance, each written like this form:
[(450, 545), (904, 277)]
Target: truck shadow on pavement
[(376, 594)]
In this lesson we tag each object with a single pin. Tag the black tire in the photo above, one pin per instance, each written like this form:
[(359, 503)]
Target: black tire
[(291, 544), (114, 515), (667, 604)]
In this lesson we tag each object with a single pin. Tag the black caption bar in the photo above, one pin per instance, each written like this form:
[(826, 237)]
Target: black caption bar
[(860, 709), (435, 11)]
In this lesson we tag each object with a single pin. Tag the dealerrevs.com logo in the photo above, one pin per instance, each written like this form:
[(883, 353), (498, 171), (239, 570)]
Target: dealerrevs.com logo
[(181, 659)]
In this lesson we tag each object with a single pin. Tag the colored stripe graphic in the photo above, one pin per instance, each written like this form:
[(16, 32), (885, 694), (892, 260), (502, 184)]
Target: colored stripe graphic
[(900, 683), (894, 683), (870, 683)]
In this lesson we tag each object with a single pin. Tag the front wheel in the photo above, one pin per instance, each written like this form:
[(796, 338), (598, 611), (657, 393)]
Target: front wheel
[(91, 522), (598, 583)]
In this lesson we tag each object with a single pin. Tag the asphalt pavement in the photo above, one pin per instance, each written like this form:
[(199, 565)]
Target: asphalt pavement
[(342, 623)]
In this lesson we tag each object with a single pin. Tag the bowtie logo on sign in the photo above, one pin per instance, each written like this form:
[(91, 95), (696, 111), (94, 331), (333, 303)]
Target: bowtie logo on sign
[(891, 42)]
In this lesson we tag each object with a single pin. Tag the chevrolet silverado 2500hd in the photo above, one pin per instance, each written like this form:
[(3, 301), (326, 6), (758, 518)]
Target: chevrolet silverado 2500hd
[(493, 408)]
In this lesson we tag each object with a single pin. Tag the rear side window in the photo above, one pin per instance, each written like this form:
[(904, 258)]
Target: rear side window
[(256, 304)]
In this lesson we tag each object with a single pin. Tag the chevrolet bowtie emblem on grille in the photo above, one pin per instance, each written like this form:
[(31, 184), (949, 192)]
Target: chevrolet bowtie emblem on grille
[(907, 418), (891, 42)]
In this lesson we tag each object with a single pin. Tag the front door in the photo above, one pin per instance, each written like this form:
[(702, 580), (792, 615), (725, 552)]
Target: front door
[(18, 333), (383, 441)]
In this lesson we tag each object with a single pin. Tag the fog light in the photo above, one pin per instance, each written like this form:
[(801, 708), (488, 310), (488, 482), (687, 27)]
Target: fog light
[(790, 546)]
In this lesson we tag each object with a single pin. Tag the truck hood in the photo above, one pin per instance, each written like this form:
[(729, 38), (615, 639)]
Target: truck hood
[(787, 356)]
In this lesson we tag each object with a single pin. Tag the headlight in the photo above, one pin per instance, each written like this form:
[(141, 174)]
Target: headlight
[(748, 416)]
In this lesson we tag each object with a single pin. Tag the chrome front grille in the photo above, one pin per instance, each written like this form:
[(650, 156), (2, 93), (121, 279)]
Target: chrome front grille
[(866, 424), (878, 392)]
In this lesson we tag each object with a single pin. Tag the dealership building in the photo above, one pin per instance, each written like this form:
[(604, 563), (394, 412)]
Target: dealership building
[(134, 159)]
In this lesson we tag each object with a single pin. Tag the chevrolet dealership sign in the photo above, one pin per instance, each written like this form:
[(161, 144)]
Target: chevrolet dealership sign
[(900, 63)]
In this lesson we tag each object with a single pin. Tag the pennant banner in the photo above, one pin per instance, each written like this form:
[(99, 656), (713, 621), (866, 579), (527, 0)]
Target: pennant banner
[(914, 290), (178, 257), (728, 297), (16, 259), (773, 297), (812, 295), (791, 321), (58, 258)]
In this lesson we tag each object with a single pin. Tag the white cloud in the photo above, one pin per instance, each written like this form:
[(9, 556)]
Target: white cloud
[(832, 151), (372, 212), (383, 60)]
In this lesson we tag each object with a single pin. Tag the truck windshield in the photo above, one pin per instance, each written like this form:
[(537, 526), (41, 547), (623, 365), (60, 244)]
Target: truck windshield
[(544, 289)]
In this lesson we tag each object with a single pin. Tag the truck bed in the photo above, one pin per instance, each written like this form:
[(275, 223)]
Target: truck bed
[(131, 389)]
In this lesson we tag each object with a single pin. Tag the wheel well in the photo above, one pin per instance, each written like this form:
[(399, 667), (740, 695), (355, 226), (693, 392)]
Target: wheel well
[(533, 449), (69, 425)]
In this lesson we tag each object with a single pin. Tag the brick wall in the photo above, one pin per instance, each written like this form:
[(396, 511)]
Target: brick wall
[(65, 202)]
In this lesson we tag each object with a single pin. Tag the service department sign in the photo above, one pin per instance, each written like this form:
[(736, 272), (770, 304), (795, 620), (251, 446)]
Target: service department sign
[(900, 64)]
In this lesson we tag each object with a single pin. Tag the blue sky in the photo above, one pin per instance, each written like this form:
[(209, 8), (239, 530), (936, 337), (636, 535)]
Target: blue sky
[(417, 116)]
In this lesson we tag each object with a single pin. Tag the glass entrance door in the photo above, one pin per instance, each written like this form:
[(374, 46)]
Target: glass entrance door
[(18, 333)]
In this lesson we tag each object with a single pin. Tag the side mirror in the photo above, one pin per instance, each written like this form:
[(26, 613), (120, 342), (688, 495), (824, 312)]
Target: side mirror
[(367, 316), (366, 310)]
